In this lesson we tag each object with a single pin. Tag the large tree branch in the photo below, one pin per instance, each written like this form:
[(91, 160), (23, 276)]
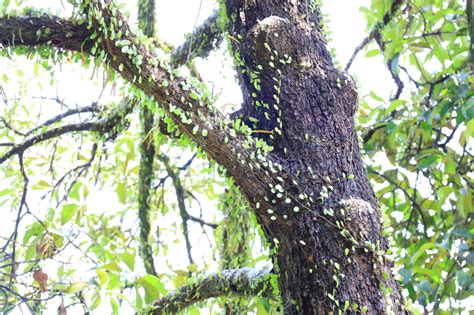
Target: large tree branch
[(253, 170), (243, 281), (191, 111), (74, 36)]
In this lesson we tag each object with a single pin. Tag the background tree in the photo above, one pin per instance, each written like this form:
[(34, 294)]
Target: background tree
[(292, 150)]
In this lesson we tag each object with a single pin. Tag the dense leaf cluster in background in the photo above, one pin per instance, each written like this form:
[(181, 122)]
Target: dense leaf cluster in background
[(425, 135), (74, 231)]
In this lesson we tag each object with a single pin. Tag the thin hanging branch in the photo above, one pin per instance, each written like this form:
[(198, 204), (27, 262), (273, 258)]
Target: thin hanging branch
[(235, 233), (146, 22), (180, 196)]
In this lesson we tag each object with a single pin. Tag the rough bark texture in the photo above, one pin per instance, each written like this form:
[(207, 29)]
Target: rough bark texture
[(243, 281), (44, 30), (309, 106), (311, 194)]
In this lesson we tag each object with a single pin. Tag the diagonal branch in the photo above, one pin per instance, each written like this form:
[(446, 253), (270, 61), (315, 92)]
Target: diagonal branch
[(243, 281), (234, 149), (86, 109), (188, 107), (102, 126)]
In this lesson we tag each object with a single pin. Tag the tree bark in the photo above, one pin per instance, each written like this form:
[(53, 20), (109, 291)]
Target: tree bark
[(330, 257)]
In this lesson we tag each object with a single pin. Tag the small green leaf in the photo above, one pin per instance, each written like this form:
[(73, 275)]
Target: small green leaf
[(427, 161), (193, 95), (346, 305), (372, 53), (68, 212), (153, 287), (95, 303), (128, 259), (41, 185), (102, 275), (76, 287), (394, 105), (122, 192), (34, 229)]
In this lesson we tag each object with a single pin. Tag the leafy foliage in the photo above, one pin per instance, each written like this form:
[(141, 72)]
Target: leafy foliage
[(419, 148)]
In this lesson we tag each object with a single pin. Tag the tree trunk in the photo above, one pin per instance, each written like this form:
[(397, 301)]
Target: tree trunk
[(329, 251)]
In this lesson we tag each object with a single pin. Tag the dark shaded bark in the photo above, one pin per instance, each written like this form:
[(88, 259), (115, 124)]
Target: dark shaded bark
[(45, 30), (332, 252)]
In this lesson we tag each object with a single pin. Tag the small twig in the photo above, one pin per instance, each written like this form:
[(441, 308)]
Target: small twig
[(85, 109), (202, 222), (188, 163), (18, 218), (192, 34), (375, 31)]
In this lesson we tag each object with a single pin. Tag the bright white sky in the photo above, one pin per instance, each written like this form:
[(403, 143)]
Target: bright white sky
[(177, 17)]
